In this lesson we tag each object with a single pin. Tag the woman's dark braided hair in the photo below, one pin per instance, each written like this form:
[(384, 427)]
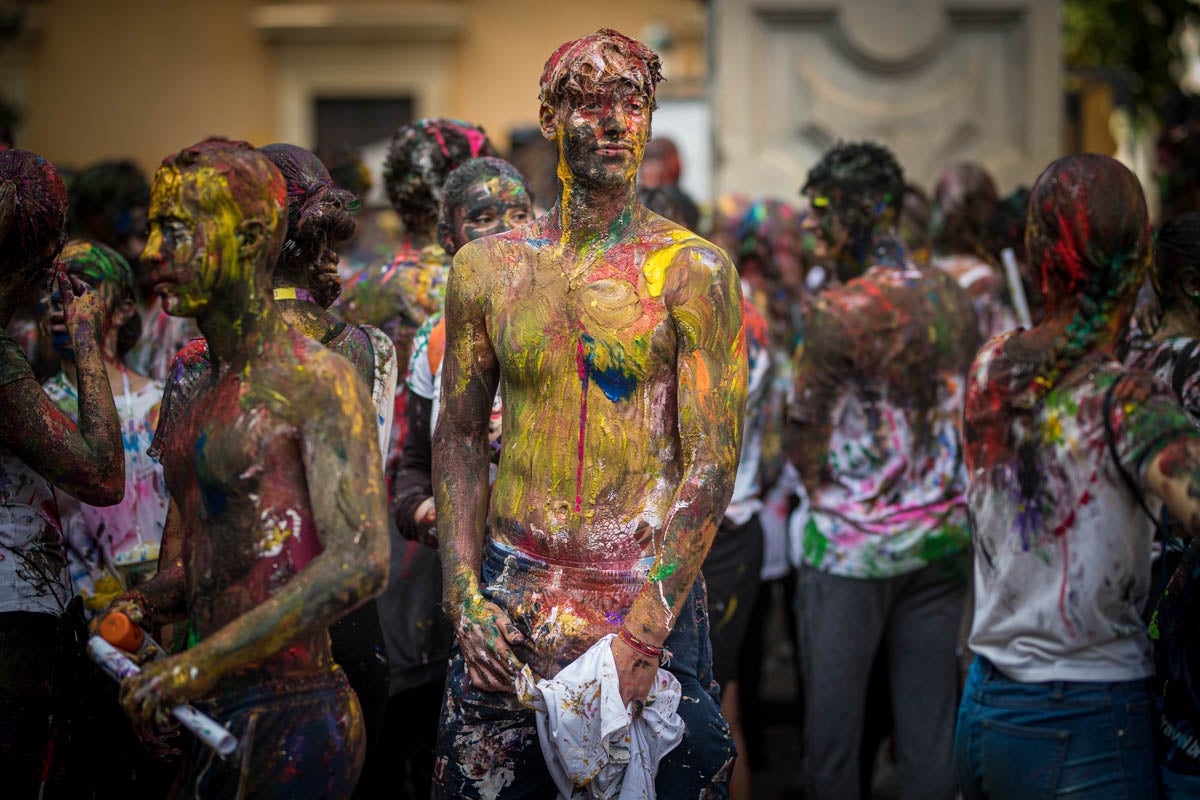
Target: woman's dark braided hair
[(1088, 237), (319, 215)]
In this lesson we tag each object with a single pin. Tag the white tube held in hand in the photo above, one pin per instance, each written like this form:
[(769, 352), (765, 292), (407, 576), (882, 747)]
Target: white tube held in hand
[(202, 726)]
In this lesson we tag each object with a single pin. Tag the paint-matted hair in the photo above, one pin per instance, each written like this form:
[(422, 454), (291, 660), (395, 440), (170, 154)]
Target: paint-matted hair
[(107, 193), (460, 181), (964, 203), (114, 271), (420, 158), (257, 190), (33, 215), (863, 182), (1177, 262), (318, 214), (588, 60), (1088, 237)]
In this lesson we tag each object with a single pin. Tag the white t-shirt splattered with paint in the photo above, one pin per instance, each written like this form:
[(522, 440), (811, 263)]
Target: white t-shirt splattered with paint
[(1062, 545)]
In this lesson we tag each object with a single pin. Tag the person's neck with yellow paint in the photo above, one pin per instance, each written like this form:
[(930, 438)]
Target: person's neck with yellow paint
[(241, 320), (590, 214)]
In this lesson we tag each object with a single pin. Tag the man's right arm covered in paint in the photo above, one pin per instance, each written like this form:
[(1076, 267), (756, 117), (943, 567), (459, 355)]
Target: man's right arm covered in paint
[(461, 453)]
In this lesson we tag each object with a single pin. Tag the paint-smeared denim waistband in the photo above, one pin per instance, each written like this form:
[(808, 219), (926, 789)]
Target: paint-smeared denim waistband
[(499, 557), (285, 690)]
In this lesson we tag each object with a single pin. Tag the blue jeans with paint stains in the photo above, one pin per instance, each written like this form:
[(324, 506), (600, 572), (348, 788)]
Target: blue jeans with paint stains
[(1029, 741), (488, 742)]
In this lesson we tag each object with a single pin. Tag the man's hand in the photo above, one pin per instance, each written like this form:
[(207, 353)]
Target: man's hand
[(636, 673), (485, 634), (149, 696), (426, 518)]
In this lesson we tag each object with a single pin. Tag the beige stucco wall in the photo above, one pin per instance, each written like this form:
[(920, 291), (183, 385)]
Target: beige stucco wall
[(505, 47), (141, 78)]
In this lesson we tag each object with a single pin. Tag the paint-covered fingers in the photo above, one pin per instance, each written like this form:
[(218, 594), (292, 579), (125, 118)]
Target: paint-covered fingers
[(485, 635), (83, 311), (143, 699)]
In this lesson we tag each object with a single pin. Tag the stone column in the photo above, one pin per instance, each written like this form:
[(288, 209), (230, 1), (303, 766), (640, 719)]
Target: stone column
[(935, 80)]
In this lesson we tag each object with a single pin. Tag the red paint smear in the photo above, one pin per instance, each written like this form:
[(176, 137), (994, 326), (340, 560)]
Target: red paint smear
[(583, 379)]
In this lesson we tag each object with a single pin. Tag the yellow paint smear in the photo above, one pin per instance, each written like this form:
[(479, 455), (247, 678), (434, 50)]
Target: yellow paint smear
[(657, 263)]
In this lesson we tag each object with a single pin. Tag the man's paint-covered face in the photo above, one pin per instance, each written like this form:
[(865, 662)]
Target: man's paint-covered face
[(493, 205), (830, 236), (190, 250), (602, 133)]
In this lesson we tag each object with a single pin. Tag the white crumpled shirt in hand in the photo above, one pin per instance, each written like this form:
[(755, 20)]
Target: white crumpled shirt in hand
[(593, 746)]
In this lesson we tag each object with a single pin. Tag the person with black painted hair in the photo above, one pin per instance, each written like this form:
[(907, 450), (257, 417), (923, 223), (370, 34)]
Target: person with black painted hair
[(881, 534)]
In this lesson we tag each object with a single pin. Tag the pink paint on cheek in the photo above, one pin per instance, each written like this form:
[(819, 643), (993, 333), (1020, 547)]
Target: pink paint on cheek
[(581, 364)]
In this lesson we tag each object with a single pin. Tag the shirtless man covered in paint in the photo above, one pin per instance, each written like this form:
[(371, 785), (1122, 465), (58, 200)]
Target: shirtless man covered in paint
[(272, 460), (619, 338)]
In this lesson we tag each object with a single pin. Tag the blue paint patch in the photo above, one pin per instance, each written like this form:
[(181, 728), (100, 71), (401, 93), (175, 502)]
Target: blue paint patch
[(213, 498), (616, 384)]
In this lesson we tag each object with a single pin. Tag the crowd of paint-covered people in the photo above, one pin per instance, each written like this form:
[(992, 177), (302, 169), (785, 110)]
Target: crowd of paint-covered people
[(969, 465)]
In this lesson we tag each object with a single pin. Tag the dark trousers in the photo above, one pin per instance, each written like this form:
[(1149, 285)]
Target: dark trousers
[(297, 739), (357, 642), (1059, 739), (488, 742), (843, 622)]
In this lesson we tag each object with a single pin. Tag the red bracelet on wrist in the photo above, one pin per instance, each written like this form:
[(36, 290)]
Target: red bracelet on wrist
[(646, 649)]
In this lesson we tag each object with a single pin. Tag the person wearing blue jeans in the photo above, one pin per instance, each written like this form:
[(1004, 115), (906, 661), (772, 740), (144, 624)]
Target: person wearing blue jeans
[(1058, 738), (1069, 456)]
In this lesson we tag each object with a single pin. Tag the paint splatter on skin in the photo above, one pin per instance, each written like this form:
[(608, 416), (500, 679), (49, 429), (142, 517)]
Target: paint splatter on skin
[(619, 339), (244, 461)]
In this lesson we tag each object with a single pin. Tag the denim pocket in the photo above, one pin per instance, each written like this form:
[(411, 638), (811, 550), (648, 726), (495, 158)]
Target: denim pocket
[(1021, 761)]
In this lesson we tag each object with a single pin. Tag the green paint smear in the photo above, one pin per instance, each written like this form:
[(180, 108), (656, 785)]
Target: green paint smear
[(942, 544), (662, 571), (815, 544)]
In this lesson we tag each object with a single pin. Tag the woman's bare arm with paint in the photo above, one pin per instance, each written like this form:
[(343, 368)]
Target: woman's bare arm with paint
[(85, 461), (461, 454), (344, 488), (1174, 477), (705, 303)]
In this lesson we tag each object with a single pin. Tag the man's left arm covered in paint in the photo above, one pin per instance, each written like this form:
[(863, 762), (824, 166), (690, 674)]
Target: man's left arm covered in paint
[(703, 296)]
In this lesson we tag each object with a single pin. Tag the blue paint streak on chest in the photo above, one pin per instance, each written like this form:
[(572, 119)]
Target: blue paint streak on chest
[(616, 384), (214, 499)]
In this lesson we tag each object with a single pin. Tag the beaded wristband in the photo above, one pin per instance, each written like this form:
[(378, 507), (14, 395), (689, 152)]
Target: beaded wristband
[(648, 650)]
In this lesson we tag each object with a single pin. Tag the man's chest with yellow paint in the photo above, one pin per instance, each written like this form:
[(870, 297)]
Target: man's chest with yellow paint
[(605, 328)]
